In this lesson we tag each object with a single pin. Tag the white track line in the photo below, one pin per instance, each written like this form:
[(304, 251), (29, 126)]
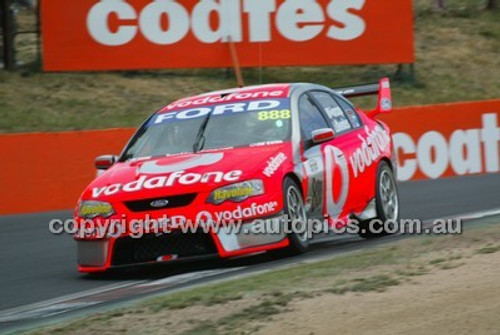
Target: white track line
[(45, 304), (187, 277), (63, 304), (476, 215)]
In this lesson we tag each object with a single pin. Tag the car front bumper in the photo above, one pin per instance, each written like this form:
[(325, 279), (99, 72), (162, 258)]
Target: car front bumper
[(251, 237)]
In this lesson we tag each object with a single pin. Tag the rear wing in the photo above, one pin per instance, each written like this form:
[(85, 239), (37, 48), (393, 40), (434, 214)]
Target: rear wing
[(383, 89)]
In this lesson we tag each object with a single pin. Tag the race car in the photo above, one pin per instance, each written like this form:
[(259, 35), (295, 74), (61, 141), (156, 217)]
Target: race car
[(228, 162)]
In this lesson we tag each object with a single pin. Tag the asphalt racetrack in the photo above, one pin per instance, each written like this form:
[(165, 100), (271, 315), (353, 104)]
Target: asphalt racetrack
[(37, 266)]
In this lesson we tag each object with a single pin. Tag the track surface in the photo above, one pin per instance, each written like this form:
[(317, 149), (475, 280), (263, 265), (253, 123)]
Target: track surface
[(36, 265)]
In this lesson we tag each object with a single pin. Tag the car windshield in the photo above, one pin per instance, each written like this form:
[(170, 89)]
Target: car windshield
[(212, 127)]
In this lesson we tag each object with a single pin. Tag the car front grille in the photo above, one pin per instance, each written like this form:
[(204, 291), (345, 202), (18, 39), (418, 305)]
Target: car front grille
[(170, 202), (149, 248)]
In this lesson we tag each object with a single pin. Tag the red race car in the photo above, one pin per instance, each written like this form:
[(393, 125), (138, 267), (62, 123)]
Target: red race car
[(224, 173)]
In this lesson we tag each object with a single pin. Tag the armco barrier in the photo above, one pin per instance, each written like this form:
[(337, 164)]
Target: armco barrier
[(48, 171)]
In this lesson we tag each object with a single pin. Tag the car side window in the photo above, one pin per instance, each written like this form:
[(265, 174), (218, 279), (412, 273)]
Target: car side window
[(350, 112), (335, 113), (311, 117)]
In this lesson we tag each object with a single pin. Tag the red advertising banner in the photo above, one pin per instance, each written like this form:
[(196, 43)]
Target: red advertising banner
[(446, 140), (151, 34)]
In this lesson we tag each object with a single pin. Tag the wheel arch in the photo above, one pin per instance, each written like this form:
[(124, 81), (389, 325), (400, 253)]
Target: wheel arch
[(296, 179), (388, 161)]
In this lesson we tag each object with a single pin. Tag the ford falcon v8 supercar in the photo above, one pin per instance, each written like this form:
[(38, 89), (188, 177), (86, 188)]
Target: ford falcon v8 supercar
[(264, 155)]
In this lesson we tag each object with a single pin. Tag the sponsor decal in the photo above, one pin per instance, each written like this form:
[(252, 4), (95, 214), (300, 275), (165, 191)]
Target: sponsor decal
[(175, 178), (316, 196), (274, 115), (225, 96), (263, 144), (296, 20), (313, 165), (372, 147), (240, 213), (274, 164), (335, 160), (466, 151), (314, 170), (220, 110), (222, 195), (207, 159), (95, 208), (340, 122), (193, 34), (386, 104)]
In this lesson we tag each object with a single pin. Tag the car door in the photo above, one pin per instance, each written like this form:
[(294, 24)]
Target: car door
[(312, 118), (325, 164), (339, 181)]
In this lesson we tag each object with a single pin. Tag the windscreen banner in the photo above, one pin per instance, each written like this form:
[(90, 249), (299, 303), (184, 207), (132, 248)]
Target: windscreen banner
[(87, 35)]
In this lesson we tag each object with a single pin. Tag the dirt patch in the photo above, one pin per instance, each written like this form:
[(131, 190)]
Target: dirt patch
[(463, 300)]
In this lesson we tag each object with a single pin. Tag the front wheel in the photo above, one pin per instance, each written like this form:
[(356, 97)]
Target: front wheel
[(387, 205), (295, 211)]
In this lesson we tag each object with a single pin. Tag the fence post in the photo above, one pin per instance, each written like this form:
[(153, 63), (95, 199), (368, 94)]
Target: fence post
[(8, 36), (38, 31)]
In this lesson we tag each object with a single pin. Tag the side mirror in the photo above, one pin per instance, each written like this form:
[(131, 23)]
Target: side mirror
[(105, 162), (322, 135)]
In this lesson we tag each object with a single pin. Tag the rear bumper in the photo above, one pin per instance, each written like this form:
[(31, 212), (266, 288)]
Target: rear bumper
[(125, 251)]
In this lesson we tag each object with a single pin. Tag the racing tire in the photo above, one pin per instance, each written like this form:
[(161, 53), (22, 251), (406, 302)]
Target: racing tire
[(387, 205), (294, 209)]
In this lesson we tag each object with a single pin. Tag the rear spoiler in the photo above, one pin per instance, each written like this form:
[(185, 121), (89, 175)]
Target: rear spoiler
[(383, 89)]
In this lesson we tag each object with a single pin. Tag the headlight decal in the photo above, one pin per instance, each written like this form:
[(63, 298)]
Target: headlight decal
[(237, 192), (92, 209)]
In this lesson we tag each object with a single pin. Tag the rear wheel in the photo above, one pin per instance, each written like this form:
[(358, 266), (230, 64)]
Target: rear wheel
[(387, 205), (295, 210)]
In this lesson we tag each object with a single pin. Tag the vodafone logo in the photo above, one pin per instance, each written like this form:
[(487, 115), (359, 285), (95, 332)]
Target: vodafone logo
[(239, 213), (335, 159), (274, 164), (373, 145), (225, 96), (165, 22), (466, 151), (174, 179)]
